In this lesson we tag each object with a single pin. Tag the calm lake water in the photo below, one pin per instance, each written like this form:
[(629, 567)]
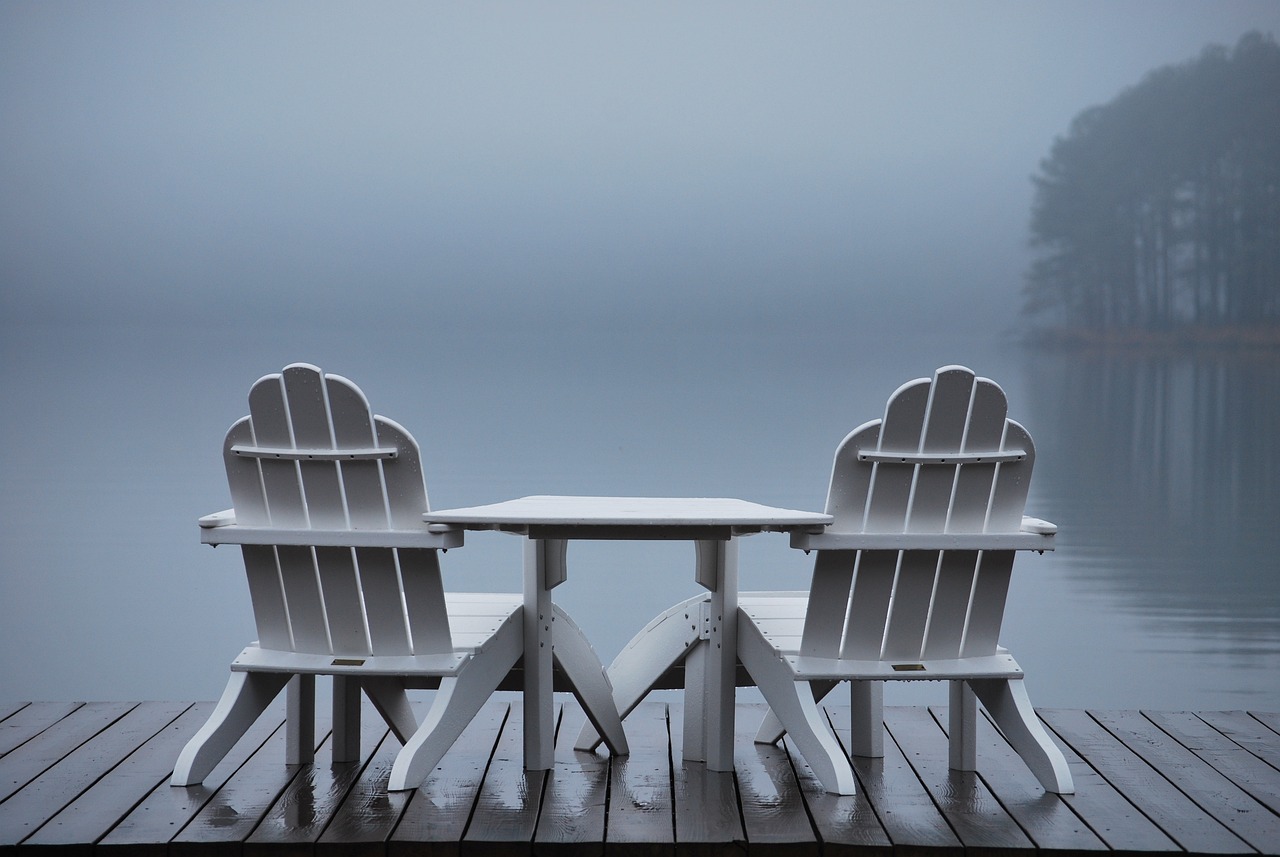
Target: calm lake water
[(1161, 471)]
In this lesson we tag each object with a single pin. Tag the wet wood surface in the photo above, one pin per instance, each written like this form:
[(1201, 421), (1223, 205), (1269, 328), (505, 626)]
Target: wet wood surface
[(87, 778)]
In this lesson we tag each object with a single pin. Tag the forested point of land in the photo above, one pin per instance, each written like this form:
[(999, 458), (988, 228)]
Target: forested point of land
[(1156, 218)]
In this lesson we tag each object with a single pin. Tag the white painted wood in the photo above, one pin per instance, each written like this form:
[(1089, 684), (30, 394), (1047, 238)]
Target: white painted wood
[(300, 720), (930, 502), (794, 706), (247, 695), (1015, 540), (866, 730), (425, 601), (455, 704), (658, 647), (653, 513), (718, 561), (962, 727), (384, 600), (950, 612), (1010, 707), (345, 741), (539, 730), (345, 581), (710, 664), (588, 680), (387, 693), (417, 538), (824, 618)]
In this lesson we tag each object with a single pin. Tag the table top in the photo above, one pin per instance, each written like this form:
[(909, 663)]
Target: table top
[(638, 514)]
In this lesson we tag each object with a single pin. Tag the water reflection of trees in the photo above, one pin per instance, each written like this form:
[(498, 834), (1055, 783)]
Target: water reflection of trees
[(1164, 471)]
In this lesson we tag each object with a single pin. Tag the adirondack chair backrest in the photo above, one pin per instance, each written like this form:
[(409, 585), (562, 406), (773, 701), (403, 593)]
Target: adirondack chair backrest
[(312, 456), (944, 459)]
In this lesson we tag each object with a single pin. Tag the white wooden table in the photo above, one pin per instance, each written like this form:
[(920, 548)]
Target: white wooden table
[(549, 522)]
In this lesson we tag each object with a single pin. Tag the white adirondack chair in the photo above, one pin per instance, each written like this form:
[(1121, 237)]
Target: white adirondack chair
[(909, 582), (345, 581)]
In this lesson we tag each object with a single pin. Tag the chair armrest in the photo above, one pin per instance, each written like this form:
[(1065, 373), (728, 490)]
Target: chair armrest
[(225, 518), (1036, 525), (220, 530), (1023, 540)]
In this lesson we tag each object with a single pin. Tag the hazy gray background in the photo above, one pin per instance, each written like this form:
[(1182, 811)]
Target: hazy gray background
[(580, 248), (307, 160)]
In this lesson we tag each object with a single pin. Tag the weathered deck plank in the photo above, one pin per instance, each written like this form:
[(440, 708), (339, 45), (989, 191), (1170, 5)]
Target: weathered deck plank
[(101, 807), (641, 815), (774, 814), (1214, 793), (1160, 800), (572, 820), (436, 818), (52, 744), (44, 796), (506, 811), (1047, 819), (22, 722), (977, 818), (94, 777), (165, 811), (910, 817), (707, 816)]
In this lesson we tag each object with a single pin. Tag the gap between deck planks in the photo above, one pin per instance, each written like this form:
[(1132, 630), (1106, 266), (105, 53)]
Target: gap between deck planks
[(89, 778)]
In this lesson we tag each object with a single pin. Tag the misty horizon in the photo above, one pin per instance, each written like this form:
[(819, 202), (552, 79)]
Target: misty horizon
[(183, 163)]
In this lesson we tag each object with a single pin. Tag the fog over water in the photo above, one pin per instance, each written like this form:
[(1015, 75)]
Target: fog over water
[(580, 248)]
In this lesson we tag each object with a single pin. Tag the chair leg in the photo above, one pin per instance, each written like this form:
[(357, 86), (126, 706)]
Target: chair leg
[(796, 709), (656, 649), (866, 704), (456, 702), (346, 718), (771, 731), (389, 698), (962, 727), (1007, 702), (589, 682), (246, 696), (300, 720)]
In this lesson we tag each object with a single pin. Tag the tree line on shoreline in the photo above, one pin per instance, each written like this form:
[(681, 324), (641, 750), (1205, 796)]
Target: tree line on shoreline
[(1159, 212)]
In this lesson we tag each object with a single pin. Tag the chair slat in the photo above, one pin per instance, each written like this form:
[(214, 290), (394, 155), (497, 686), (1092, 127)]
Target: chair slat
[(950, 605), (383, 604), (343, 608), (991, 588), (302, 599), (869, 604), (851, 480), (362, 480), (244, 478), (406, 488), (973, 483), (267, 597), (1013, 478), (828, 601), (890, 494), (944, 430), (909, 610), (309, 417), (424, 595), (281, 484)]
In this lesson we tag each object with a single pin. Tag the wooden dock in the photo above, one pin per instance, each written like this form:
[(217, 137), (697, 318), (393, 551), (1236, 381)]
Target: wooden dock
[(92, 777)]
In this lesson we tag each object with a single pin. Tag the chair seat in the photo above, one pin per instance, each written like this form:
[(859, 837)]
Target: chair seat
[(778, 618), (475, 619)]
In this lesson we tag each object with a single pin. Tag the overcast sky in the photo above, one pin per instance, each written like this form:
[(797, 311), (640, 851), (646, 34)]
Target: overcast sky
[(163, 158)]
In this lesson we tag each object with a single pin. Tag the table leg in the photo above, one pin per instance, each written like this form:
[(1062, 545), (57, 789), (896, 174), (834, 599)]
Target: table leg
[(717, 658), (544, 569)]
